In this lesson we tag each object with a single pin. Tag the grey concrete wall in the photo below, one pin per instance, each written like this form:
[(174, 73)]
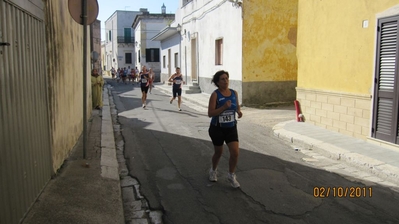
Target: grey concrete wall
[(265, 94)]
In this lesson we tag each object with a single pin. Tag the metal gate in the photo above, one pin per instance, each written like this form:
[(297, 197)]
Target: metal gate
[(25, 156)]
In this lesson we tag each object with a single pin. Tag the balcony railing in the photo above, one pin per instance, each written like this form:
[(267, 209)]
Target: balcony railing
[(123, 39)]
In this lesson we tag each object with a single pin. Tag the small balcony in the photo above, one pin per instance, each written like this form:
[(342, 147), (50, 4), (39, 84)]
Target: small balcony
[(123, 39)]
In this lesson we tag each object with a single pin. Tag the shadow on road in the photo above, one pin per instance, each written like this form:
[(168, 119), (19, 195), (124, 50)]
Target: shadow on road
[(172, 169)]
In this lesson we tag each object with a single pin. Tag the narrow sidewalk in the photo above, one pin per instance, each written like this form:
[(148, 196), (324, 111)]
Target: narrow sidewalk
[(84, 190)]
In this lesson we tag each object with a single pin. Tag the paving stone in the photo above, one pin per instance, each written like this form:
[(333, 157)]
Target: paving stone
[(128, 181), (139, 221), (133, 206), (156, 217), (127, 194)]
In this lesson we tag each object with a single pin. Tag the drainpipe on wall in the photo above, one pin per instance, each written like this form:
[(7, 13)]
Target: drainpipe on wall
[(84, 19), (185, 62), (198, 71)]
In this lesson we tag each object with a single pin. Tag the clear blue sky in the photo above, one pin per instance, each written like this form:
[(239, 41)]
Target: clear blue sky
[(108, 7)]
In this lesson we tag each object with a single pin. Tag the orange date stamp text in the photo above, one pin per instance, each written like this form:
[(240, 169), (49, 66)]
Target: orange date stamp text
[(342, 192)]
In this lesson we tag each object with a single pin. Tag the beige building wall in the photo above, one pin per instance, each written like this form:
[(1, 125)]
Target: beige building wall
[(269, 52), (104, 60), (336, 62), (65, 70), (95, 31)]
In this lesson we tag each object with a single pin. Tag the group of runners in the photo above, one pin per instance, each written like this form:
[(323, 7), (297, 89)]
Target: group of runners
[(223, 109), (130, 75), (146, 78)]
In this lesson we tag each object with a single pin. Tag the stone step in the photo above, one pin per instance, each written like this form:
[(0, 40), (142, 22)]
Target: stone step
[(192, 89)]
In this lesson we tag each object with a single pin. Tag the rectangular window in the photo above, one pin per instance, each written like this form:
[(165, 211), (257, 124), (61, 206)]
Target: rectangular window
[(128, 35), (164, 61), (109, 35), (138, 58), (128, 58), (219, 52), (152, 55), (176, 60)]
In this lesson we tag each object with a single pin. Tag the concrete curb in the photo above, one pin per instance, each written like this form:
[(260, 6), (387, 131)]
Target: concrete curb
[(135, 205), (109, 163)]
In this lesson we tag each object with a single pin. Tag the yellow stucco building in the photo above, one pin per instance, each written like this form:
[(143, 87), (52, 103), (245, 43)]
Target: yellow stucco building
[(269, 52), (347, 66)]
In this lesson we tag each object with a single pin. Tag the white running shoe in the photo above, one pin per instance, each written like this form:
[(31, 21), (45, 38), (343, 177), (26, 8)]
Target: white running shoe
[(232, 179), (213, 175)]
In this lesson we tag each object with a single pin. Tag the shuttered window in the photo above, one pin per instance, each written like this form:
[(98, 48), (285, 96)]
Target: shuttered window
[(152, 54), (388, 51), (385, 119), (128, 35)]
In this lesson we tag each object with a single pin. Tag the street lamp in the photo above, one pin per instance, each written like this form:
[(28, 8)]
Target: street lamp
[(179, 28)]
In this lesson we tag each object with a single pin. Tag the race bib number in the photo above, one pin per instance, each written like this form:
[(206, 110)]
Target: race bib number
[(143, 80), (226, 117), (178, 82)]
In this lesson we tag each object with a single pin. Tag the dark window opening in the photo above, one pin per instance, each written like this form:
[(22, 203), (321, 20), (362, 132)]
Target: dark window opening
[(128, 58), (152, 55)]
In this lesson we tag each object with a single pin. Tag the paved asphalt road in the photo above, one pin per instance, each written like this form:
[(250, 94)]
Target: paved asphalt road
[(169, 152)]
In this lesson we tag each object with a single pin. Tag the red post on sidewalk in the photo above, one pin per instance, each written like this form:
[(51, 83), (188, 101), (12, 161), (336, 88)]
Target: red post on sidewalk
[(298, 111)]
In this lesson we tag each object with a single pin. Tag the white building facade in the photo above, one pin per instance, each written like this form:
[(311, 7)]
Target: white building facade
[(170, 40), (211, 40), (119, 40), (147, 51)]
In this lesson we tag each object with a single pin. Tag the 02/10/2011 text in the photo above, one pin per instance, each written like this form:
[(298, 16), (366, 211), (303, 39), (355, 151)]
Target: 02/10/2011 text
[(342, 192)]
